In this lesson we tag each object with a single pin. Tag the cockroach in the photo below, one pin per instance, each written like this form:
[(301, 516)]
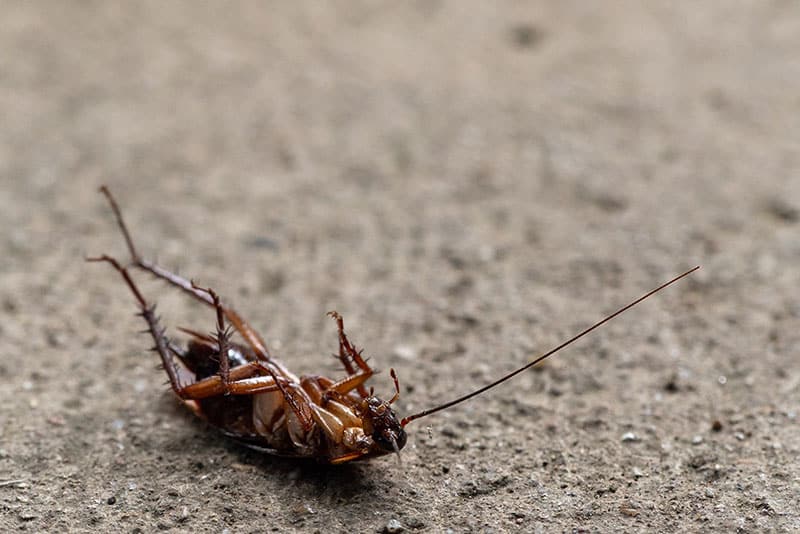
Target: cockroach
[(244, 391)]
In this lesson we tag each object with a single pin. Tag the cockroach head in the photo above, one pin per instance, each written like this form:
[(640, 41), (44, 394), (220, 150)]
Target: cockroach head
[(381, 423)]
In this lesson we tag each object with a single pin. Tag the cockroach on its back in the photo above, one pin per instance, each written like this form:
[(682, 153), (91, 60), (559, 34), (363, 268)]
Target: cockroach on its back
[(249, 395)]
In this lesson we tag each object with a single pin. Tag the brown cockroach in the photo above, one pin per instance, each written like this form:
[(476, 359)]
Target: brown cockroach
[(245, 392)]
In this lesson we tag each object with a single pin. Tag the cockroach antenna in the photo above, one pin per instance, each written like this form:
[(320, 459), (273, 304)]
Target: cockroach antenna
[(544, 356)]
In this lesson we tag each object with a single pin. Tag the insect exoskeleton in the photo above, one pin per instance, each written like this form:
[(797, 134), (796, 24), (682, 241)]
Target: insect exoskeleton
[(247, 393)]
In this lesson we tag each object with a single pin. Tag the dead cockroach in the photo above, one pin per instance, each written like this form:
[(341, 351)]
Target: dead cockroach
[(244, 391)]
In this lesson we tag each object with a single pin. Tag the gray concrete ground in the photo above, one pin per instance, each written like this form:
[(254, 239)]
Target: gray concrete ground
[(468, 183)]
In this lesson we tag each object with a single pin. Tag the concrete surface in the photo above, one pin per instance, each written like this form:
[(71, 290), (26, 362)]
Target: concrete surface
[(468, 183)]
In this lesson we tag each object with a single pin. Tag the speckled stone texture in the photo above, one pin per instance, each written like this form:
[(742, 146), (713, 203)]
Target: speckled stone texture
[(468, 183)]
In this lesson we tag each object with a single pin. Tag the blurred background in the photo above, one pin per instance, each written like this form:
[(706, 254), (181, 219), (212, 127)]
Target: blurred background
[(469, 184)]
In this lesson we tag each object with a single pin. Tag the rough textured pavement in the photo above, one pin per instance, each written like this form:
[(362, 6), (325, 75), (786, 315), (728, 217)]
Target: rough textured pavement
[(468, 183)]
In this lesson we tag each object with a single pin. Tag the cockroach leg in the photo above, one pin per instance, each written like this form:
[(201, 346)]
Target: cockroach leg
[(222, 338), (343, 342), (321, 391), (148, 313), (299, 403), (243, 327), (315, 385), (210, 386), (199, 336), (348, 354), (345, 458), (396, 386), (242, 380), (240, 324), (348, 384)]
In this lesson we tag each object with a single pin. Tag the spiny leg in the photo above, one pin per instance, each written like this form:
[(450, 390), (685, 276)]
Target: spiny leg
[(347, 348), (248, 379), (294, 398), (348, 355), (252, 378), (222, 338), (348, 384), (297, 400), (242, 380), (253, 385), (148, 313), (338, 390), (245, 330)]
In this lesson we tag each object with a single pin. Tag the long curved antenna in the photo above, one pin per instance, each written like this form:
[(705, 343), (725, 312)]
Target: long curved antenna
[(527, 366)]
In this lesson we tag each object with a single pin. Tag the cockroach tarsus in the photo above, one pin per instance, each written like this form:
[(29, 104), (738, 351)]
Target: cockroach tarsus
[(245, 392)]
